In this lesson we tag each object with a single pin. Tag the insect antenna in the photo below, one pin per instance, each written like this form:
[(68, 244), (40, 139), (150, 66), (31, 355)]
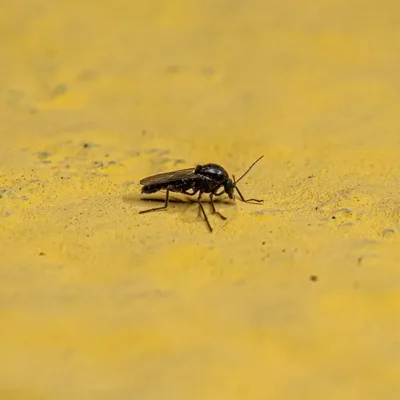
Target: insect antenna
[(251, 166)]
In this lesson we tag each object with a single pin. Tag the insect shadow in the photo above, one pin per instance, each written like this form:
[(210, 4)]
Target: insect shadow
[(134, 199), (209, 178)]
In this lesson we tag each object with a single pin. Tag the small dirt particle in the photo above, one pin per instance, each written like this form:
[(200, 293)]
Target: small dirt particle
[(44, 154), (388, 232)]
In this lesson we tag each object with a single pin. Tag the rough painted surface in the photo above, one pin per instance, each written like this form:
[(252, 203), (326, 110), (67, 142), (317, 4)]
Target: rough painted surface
[(296, 298)]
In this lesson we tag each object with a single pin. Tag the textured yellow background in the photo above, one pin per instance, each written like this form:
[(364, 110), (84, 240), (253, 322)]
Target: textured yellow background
[(98, 302)]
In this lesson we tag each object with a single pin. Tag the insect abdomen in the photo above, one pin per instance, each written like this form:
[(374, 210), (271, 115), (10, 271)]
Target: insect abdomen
[(179, 186), (152, 188)]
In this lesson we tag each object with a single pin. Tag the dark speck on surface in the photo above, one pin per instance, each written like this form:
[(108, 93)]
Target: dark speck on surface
[(44, 154), (87, 145), (59, 90), (346, 224), (151, 151), (346, 211), (388, 232), (41, 254), (313, 278), (87, 76), (173, 69)]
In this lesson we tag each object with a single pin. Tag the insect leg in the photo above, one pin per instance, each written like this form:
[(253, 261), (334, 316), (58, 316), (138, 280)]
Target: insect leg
[(214, 211), (204, 213), (164, 207), (248, 200)]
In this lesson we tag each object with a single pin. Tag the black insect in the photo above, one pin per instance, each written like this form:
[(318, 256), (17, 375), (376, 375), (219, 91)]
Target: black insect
[(208, 178)]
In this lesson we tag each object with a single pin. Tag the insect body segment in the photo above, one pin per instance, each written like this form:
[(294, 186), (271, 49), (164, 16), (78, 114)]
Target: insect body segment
[(208, 178), (212, 171)]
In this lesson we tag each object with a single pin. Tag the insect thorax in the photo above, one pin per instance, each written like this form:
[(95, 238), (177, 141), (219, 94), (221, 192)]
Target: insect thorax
[(212, 171)]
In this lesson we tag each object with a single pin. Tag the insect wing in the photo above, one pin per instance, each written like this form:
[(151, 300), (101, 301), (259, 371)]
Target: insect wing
[(168, 177)]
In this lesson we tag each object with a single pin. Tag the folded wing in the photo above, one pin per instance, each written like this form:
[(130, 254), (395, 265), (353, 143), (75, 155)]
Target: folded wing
[(168, 177)]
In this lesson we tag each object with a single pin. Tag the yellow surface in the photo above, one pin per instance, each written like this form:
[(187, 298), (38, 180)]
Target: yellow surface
[(99, 302)]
